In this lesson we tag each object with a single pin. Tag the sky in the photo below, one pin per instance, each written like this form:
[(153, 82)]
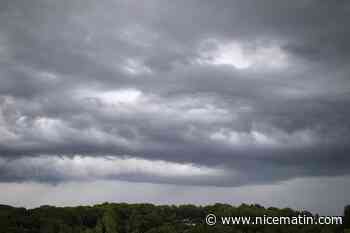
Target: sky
[(186, 101)]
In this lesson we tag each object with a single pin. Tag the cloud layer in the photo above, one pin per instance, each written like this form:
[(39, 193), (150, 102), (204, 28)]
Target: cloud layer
[(191, 92)]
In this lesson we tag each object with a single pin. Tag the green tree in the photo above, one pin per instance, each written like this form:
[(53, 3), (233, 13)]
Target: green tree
[(346, 218), (109, 221)]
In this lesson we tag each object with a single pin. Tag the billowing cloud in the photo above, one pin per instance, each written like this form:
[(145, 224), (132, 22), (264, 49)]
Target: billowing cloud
[(223, 93), (54, 169)]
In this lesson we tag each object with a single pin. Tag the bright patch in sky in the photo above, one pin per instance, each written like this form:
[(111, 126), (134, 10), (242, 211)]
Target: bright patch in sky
[(135, 67), (235, 54), (120, 96)]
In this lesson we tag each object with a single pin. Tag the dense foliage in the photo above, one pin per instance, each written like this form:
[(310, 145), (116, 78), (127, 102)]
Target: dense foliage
[(148, 218)]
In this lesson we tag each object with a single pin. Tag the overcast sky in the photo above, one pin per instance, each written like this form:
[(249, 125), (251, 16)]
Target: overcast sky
[(163, 101)]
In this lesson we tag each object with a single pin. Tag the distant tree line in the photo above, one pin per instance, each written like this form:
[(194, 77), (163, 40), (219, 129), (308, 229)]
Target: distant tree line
[(148, 218)]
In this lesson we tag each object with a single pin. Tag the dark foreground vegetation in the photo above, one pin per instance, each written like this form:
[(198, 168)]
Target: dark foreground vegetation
[(147, 218)]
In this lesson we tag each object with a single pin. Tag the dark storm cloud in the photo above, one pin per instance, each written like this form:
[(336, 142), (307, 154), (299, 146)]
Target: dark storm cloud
[(257, 89)]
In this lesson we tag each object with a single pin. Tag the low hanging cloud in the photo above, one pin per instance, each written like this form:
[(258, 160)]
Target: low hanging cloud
[(228, 93), (79, 168)]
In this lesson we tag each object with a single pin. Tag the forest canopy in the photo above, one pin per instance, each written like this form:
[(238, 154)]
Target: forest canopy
[(149, 218)]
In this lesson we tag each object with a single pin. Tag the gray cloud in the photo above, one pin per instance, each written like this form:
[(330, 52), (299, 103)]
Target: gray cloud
[(257, 89)]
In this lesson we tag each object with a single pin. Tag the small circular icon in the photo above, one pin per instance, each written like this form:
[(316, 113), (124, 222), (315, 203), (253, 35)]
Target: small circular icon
[(210, 219)]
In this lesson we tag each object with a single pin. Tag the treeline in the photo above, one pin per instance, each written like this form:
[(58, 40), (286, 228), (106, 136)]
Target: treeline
[(148, 218)]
